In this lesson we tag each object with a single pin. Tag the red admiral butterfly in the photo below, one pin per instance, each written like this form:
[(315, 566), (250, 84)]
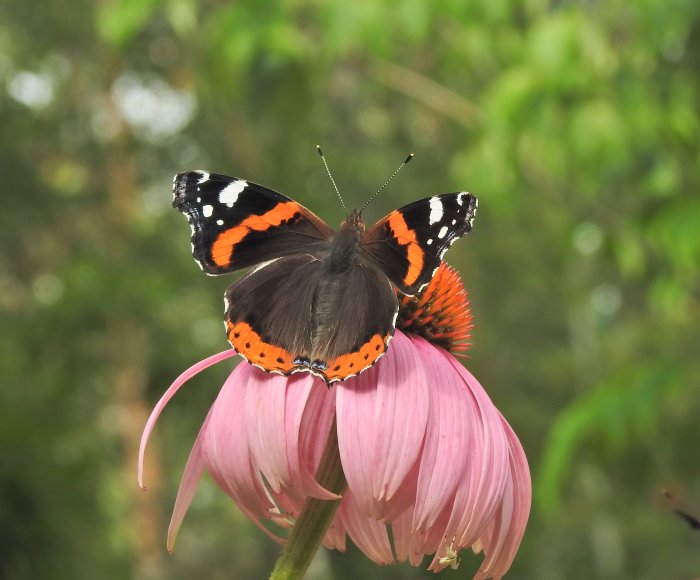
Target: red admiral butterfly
[(316, 300)]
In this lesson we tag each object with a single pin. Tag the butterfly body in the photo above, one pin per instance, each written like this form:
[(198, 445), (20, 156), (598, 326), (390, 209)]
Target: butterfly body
[(316, 300)]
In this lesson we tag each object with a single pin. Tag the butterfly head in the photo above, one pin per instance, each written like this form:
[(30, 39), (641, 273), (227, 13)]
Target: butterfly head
[(354, 221)]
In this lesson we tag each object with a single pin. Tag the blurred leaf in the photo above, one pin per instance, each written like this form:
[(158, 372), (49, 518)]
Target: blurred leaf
[(118, 21), (620, 410), (182, 15)]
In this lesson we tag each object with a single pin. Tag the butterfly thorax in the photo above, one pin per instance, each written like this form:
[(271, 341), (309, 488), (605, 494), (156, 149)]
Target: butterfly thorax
[(345, 244)]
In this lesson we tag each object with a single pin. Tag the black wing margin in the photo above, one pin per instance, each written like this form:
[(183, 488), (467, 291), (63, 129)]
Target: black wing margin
[(236, 223)]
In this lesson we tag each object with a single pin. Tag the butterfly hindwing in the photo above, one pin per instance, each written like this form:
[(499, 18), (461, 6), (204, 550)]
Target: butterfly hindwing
[(293, 315), (236, 223), (410, 242)]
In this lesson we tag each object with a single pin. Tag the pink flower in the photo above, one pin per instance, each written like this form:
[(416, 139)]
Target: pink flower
[(423, 449)]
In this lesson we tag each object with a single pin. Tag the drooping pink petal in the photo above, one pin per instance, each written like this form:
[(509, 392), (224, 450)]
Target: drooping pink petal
[(314, 430), (355, 404), (449, 436), (495, 535), (188, 485), (405, 497), (296, 399), (400, 421), (227, 454), (367, 533), (431, 539), (502, 539), (476, 504), (381, 417), (174, 388), (413, 545), (336, 536), (401, 534), (265, 407)]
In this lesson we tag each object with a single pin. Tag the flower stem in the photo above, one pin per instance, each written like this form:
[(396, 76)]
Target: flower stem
[(315, 517)]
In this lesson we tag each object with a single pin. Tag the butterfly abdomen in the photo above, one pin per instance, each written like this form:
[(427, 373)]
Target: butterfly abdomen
[(332, 287)]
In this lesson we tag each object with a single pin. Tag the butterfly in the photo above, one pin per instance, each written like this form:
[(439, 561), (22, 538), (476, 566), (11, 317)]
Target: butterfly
[(315, 300)]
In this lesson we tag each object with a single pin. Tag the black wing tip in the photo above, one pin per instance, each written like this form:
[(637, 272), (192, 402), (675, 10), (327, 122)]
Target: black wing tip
[(472, 206), (179, 189), (185, 184)]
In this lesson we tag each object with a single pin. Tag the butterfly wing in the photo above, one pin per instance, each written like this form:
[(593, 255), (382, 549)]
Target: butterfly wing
[(236, 223), (290, 315), (409, 243)]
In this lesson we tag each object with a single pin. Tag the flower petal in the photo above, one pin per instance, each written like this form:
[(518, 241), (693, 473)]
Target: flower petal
[(449, 436), (227, 455), (412, 545), (264, 416), (401, 534), (488, 470), (297, 394), (336, 536), (400, 418), (315, 427), (366, 532), (188, 486), (382, 416), (355, 403), (504, 536), (174, 388)]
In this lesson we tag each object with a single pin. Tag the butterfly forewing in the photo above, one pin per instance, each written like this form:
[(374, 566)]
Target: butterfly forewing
[(236, 223), (410, 242)]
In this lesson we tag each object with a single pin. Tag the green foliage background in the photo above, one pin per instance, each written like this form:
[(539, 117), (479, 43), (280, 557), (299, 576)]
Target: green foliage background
[(577, 125)]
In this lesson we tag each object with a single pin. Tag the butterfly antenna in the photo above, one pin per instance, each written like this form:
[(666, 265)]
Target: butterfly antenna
[(376, 193), (340, 197)]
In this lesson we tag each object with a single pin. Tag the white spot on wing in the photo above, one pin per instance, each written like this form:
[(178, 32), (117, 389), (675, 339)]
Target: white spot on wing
[(207, 210), (219, 222), (203, 176), (443, 232), (230, 193), (460, 198), (430, 242), (436, 210)]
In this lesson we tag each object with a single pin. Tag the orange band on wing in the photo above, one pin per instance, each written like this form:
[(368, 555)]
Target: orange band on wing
[(251, 346), (223, 247), (271, 358), (350, 364), (407, 237)]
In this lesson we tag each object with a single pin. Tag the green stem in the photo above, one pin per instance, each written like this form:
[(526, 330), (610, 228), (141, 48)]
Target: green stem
[(315, 517)]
